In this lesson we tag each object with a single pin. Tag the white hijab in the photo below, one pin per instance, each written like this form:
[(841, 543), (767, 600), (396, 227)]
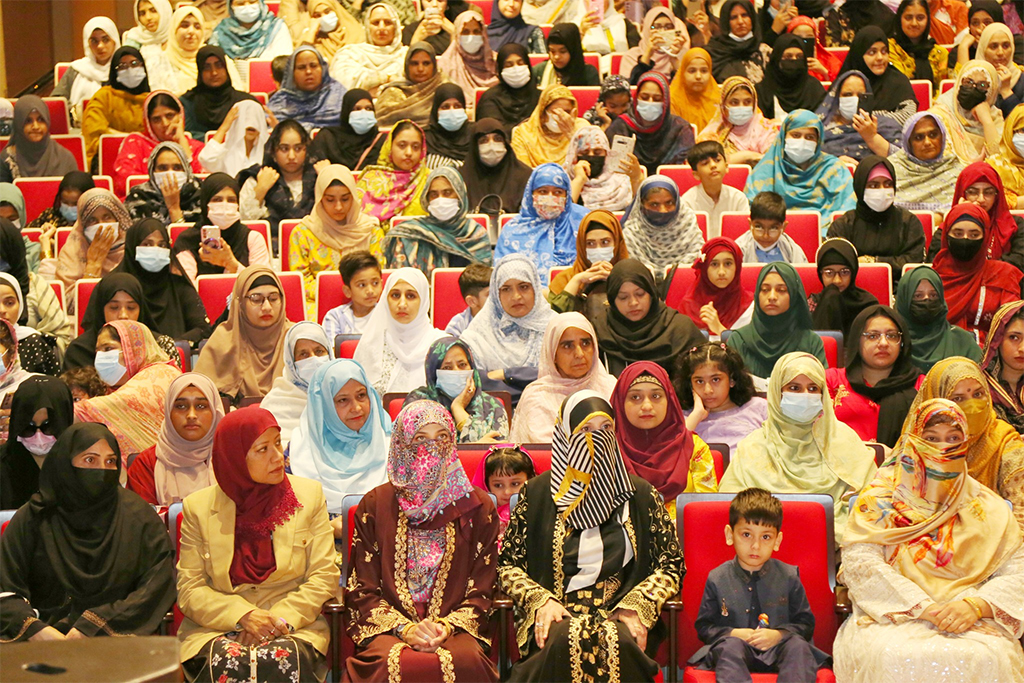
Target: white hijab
[(287, 398), (91, 74), (385, 58), (20, 330), (408, 342), (234, 160), (139, 36)]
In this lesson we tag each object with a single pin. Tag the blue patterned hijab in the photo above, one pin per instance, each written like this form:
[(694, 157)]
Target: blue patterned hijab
[(316, 109), (240, 42)]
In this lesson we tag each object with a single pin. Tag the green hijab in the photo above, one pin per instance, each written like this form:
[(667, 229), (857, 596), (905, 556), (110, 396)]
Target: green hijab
[(769, 337), (932, 337)]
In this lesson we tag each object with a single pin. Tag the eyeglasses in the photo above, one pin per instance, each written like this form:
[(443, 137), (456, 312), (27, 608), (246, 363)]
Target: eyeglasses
[(758, 230), (30, 430), (124, 66), (259, 299), (832, 272), (891, 337), (974, 193), (982, 86)]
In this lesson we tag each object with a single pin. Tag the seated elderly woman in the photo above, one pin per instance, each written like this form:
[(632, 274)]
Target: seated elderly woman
[(616, 559), (423, 561), (84, 557), (256, 563), (934, 563)]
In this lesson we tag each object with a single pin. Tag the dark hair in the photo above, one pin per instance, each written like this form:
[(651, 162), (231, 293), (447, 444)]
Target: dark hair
[(6, 337), (474, 277), (768, 206), (703, 151), (274, 141), (277, 66), (508, 461), (163, 100), (113, 331), (86, 379), (755, 506), (354, 261), (727, 359), (1016, 317), (942, 419)]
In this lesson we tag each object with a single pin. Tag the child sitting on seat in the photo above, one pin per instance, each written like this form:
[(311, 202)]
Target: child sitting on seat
[(708, 163), (503, 472), (767, 240), (755, 616), (475, 287), (361, 282)]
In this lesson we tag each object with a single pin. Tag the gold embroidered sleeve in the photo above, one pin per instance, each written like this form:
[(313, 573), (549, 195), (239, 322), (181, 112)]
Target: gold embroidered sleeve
[(648, 597), (465, 618)]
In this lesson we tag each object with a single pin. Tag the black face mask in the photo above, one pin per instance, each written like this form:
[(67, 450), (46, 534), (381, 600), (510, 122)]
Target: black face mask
[(97, 483), (970, 97), (926, 310), (791, 68), (596, 164), (964, 249)]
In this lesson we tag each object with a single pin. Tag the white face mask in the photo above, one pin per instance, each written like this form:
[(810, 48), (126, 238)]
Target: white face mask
[(130, 78), (471, 44), (802, 408), (179, 178), (444, 208), (307, 367), (328, 22), (739, 39), (247, 13), (516, 76), (848, 106), (453, 382), (598, 254), (650, 111), (109, 368), (879, 199), (223, 214), (491, 153), (740, 116), (93, 230), (553, 126), (1018, 143), (153, 259), (799, 150)]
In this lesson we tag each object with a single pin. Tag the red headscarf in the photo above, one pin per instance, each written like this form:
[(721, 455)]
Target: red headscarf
[(259, 508), (731, 301), (963, 280), (661, 455), (1003, 225), (832, 63)]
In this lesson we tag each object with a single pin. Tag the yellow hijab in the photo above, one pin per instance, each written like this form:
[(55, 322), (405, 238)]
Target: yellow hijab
[(1009, 163), (533, 143), (940, 527), (696, 108)]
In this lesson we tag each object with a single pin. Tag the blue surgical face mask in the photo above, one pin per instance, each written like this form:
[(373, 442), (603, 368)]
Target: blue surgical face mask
[(452, 119), (650, 111), (307, 367), (598, 254), (109, 368), (802, 408), (452, 382), (153, 259), (247, 13), (69, 212), (362, 121), (799, 150)]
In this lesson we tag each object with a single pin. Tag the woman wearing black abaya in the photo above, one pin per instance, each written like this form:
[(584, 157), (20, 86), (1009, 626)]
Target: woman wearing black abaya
[(495, 178), (173, 302), (841, 300), (84, 557), (893, 94), (878, 230), (118, 296), (873, 393), (737, 50), (515, 96), (844, 22), (787, 84), (208, 103), (355, 141), (40, 412), (448, 134)]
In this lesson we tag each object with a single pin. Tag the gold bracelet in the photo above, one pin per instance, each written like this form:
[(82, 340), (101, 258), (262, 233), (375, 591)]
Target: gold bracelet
[(974, 603)]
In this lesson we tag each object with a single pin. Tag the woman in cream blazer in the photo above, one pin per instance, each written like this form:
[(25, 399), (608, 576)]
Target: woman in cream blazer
[(256, 563)]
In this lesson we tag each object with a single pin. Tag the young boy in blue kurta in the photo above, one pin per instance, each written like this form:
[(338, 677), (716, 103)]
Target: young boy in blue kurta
[(754, 616)]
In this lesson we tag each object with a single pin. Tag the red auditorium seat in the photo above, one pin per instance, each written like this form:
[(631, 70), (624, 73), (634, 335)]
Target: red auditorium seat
[(802, 226), (284, 234), (448, 300), (40, 192), (701, 517), (682, 174), (83, 290), (214, 291), (329, 292)]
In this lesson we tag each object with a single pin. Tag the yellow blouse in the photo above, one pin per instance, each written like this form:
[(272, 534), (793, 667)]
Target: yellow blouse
[(111, 110), (905, 63), (309, 256)]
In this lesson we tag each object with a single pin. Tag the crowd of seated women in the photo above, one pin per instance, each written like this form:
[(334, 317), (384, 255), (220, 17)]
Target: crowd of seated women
[(604, 313)]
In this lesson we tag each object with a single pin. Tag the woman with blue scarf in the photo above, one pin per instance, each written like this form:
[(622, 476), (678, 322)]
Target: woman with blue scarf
[(454, 381), (545, 229), (797, 167), (445, 237), (251, 31), (343, 435), (308, 94), (851, 132)]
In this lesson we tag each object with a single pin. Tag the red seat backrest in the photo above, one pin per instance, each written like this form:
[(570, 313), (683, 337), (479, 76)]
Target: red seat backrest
[(802, 226), (74, 144), (831, 351), (485, 8), (680, 287), (927, 219), (214, 291), (922, 93), (395, 407), (702, 222), (58, 290), (84, 289), (348, 348), (682, 174), (285, 230), (329, 291), (261, 78), (59, 120), (470, 456), (110, 146), (719, 464), (448, 301), (807, 543)]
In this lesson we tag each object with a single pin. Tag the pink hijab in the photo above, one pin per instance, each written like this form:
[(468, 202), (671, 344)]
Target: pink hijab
[(468, 71)]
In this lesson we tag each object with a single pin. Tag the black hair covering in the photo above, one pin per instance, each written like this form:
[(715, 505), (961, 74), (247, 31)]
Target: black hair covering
[(211, 105), (892, 88), (19, 474), (116, 59), (895, 393), (341, 144), (836, 310), (568, 35), (510, 106), (236, 235), (453, 145), (14, 262), (75, 180), (505, 181)]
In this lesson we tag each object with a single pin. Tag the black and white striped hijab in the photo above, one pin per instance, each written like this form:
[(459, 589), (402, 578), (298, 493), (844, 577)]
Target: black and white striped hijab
[(588, 478)]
